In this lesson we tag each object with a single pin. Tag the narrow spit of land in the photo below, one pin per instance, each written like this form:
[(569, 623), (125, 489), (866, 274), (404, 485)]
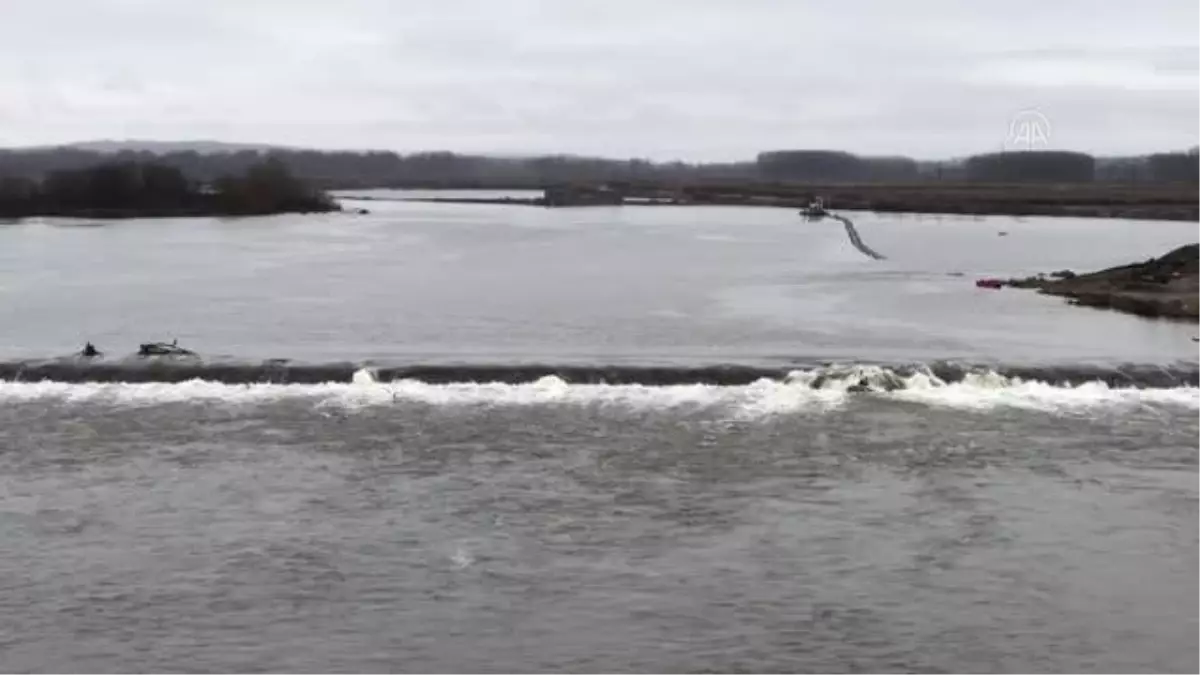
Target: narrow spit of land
[(1164, 287), (1170, 201)]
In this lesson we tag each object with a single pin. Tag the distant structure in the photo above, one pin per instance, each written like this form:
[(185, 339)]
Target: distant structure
[(1032, 166), (1173, 167), (833, 166), (815, 209)]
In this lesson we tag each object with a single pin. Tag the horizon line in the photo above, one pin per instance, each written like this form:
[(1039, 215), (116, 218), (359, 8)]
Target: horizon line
[(231, 147)]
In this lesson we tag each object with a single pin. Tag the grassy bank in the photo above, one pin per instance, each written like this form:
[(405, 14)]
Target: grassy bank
[(1172, 201), (1098, 200)]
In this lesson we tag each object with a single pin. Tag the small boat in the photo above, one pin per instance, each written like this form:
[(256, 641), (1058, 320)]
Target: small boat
[(814, 210), (989, 283)]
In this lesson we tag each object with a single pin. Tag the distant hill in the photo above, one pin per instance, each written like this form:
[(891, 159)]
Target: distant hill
[(164, 147)]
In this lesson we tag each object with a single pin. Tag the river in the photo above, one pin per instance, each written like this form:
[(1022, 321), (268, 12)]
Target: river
[(659, 439)]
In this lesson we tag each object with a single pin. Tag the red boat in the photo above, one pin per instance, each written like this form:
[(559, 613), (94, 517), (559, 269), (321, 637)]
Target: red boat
[(989, 283)]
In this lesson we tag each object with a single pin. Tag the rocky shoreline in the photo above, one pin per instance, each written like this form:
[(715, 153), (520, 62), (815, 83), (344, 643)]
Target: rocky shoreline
[(1165, 287)]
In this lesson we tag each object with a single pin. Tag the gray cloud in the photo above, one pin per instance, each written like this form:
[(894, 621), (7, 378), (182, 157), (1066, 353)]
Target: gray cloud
[(699, 79)]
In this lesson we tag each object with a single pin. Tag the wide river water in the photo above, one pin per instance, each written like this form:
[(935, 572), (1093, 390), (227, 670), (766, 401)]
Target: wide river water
[(629, 439)]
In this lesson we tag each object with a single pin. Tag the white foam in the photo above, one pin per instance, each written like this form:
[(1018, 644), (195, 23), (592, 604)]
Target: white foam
[(988, 391), (801, 391), (364, 376), (762, 397)]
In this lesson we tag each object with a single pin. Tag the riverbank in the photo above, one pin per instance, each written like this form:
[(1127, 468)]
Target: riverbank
[(1135, 202), (121, 190), (1164, 287), (1138, 201), (173, 212)]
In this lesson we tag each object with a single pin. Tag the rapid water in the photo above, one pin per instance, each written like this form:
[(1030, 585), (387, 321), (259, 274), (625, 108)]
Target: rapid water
[(639, 439)]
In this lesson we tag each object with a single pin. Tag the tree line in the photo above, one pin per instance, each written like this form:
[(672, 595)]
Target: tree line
[(127, 188), (345, 170)]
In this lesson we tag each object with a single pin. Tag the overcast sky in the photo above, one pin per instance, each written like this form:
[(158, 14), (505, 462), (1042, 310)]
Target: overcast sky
[(664, 79)]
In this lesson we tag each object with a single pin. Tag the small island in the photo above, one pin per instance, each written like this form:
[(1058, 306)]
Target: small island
[(152, 190), (1164, 287)]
